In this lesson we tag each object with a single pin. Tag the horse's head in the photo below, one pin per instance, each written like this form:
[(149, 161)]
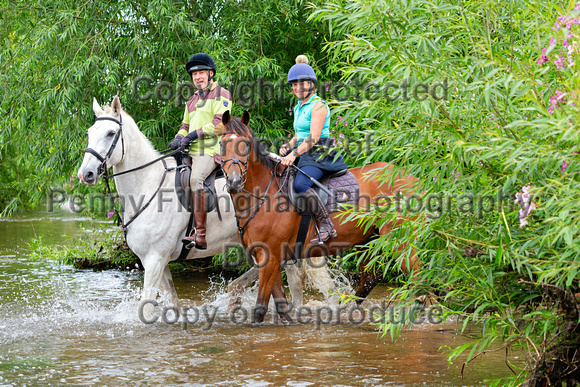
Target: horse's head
[(106, 144), (236, 145)]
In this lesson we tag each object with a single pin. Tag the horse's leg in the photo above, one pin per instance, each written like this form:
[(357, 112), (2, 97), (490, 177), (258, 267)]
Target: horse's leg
[(371, 278), (239, 285), (154, 281), (295, 274), (168, 287), (411, 264), (282, 306), (368, 281), (269, 268)]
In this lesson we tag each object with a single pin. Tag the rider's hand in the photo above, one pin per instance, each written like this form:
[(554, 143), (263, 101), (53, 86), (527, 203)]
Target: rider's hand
[(173, 145), (288, 160), (284, 149), (187, 139)]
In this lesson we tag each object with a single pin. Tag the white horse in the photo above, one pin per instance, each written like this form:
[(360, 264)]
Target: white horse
[(155, 234)]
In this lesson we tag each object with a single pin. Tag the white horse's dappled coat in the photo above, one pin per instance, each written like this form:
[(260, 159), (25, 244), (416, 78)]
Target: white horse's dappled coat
[(155, 235)]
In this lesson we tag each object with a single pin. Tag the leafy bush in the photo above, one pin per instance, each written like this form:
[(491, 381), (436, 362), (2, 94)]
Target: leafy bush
[(506, 125)]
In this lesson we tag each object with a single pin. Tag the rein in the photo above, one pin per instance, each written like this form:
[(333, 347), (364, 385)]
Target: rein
[(106, 177), (256, 208), (261, 199)]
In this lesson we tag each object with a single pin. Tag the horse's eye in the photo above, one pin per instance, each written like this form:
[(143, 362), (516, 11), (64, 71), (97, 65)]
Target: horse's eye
[(111, 133)]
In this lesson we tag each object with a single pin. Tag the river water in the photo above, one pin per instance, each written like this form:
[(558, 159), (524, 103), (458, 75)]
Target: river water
[(59, 325)]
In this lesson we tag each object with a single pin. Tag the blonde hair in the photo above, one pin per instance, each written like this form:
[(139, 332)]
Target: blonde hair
[(301, 59)]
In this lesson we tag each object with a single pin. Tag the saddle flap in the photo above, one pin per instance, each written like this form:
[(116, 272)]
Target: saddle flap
[(183, 190), (296, 198)]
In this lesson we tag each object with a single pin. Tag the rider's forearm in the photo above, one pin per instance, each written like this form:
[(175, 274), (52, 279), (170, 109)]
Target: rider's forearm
[(306, 145), (183, 131)]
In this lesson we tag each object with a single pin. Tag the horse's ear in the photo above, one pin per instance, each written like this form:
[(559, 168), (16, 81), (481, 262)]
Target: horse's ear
[(226, 117), (246, 118), (116, 105), (97, 108)]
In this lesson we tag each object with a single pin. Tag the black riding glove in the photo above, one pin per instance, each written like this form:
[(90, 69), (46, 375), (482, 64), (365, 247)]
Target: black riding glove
[(187, 139), (174, 145)]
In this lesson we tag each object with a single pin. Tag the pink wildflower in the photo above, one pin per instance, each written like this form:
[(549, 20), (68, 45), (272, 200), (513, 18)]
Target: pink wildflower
[(564, 166), (559, 63), (523, 199), (542, 59)]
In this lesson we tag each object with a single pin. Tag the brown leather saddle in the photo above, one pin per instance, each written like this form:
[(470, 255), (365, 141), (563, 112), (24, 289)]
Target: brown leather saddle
[(183, 190)]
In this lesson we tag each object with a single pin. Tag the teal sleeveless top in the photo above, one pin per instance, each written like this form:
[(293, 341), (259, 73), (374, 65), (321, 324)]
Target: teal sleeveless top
[(302, 116)]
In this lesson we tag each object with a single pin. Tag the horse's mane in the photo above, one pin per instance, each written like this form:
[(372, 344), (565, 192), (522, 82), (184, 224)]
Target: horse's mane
[(147, 143), (260, 152)]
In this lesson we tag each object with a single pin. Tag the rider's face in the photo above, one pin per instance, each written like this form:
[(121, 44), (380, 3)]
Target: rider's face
[(200, 78), (301, 89)]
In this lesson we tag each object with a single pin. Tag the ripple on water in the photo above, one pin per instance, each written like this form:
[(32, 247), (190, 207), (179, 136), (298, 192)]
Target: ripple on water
[(60, 325)]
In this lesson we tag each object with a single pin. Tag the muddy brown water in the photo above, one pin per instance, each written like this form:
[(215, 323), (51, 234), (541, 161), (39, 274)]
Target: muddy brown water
[(59, 325)]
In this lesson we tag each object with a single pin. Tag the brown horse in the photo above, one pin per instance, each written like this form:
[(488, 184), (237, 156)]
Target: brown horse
[(253, 182)]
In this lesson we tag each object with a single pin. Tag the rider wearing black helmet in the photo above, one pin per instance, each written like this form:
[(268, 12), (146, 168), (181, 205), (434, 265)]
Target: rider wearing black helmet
[(203, 113)]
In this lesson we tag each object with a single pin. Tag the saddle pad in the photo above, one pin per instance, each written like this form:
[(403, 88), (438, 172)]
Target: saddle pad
[(346, 190), (344, 187)]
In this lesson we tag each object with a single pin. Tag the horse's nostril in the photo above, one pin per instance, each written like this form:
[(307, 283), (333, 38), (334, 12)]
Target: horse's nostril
[(89, 177)]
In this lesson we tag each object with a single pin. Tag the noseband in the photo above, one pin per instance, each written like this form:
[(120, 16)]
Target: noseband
[(236, 161), (103, 167)]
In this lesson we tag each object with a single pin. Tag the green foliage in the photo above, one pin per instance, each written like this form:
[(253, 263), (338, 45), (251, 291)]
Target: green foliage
[(56, 56), (101, 249), (492, 119), (233, 259), (493, 134)]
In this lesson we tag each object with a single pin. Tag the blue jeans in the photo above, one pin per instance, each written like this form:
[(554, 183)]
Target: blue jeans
[(303, 183)]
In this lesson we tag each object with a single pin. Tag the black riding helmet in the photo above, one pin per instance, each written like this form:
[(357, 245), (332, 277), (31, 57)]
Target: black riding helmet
[(200, 61)]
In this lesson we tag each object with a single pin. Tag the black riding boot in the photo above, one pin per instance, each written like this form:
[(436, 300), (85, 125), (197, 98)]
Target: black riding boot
[(326, 229)]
